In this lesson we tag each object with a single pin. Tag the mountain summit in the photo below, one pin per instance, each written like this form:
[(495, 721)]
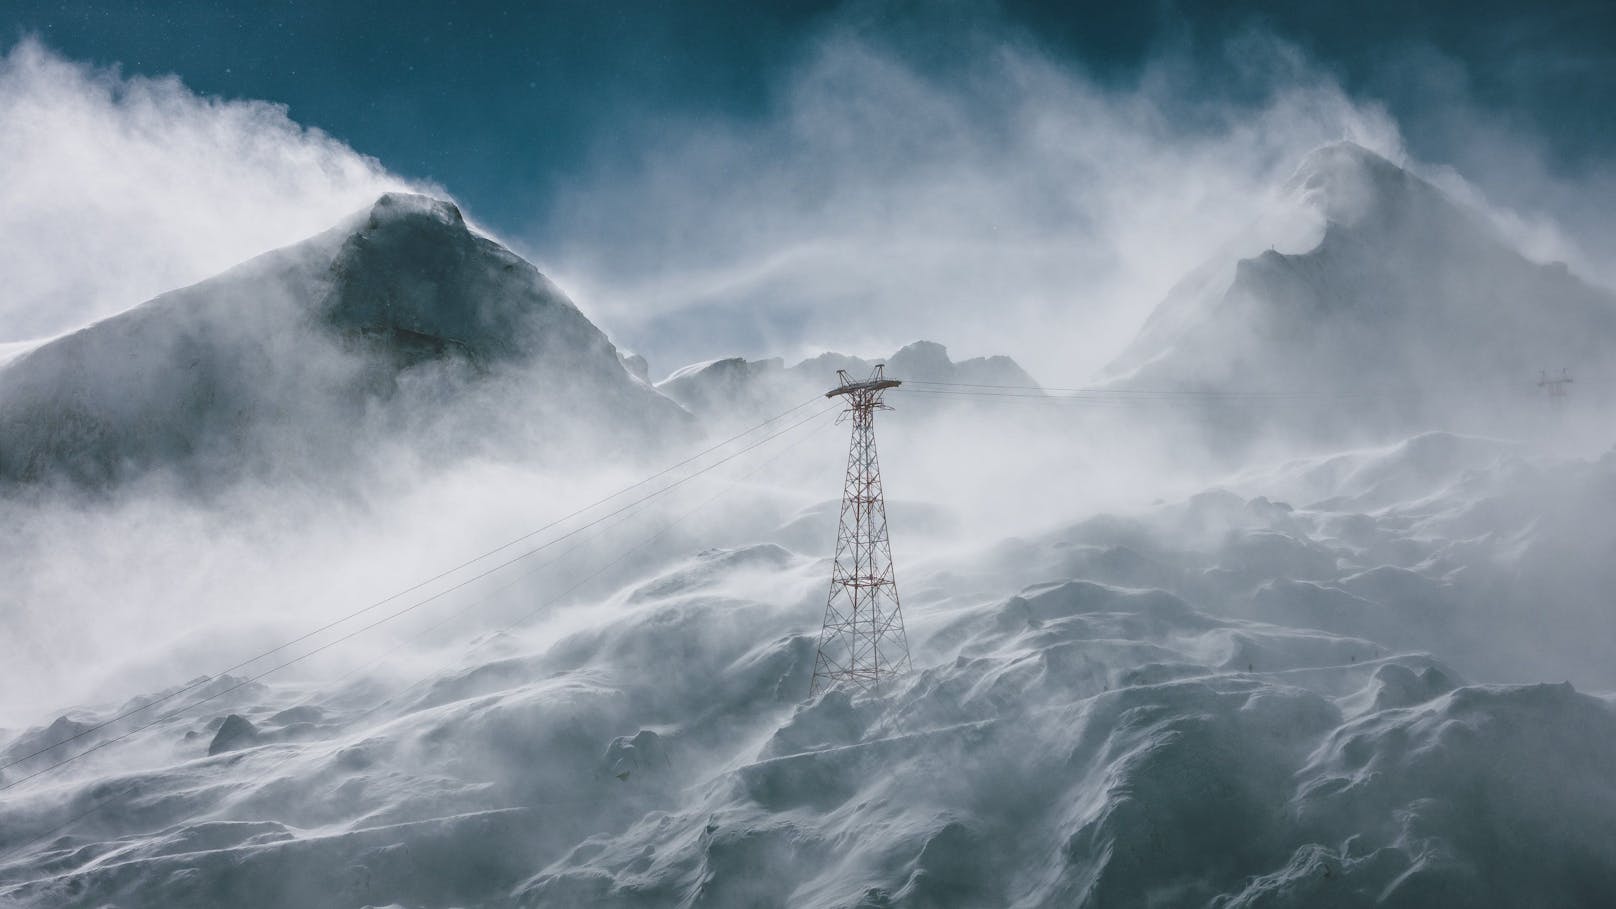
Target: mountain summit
[(415, 276), (1406, 290), (1349, 185), (743, 388), (399, 320)]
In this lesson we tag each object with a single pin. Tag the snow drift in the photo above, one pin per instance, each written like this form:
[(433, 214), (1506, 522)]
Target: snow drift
[(1138, 728), (1358, 678)]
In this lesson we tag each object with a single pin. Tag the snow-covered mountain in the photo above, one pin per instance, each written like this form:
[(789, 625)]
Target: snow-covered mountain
[(1136, 727), (1409, 299), (400, 320), (1353, 679), (737, 386)]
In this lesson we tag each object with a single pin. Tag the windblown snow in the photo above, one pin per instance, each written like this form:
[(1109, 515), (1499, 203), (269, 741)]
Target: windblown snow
[(401, 323), (724, 389), (1366, 676), (1228, 700), (1409, 299)]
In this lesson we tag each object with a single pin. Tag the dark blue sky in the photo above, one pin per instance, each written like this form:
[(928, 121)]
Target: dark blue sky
[(503, 104)]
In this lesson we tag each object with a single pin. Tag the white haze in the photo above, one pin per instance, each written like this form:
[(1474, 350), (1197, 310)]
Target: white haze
[(203, 585), (1060, 741), (1024, 210), (117, 188), (1020, 207), (1011, 211)]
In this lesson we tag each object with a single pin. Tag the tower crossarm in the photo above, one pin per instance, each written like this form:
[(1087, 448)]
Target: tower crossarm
[(855, 387), (862, 642), (876, 382)]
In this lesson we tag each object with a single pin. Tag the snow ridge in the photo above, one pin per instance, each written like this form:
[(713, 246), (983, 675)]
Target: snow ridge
[(304, 358)]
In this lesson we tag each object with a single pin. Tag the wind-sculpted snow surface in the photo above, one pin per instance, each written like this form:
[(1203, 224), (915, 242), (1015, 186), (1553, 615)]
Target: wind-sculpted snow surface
[(1212, 702)]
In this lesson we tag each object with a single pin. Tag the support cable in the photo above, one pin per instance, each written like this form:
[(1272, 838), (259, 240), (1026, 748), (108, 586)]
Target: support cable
[(1130, 401), (529, 572), (389, 617), (1102, 391), (666, 528)]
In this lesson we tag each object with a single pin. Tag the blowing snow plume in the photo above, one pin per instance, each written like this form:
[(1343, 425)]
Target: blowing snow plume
[(735, 387), (1411, 311), (146, 186), (401, 324), (370, 573), (1012, 206)]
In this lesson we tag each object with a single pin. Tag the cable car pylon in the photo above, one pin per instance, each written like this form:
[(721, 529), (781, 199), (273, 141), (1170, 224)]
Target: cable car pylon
[(862, 641)]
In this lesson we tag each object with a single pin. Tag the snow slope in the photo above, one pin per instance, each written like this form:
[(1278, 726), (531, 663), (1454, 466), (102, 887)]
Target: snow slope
[(1408, 299), (303, 359), (1372, 677), (1222, 701), (722, 388)]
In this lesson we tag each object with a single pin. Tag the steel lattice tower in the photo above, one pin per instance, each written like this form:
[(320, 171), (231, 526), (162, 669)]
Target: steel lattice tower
[(863, 641), (1556, 387)]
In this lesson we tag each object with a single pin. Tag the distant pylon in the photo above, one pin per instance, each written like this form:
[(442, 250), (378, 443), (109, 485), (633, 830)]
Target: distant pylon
[(863, 641), (1556, 387)]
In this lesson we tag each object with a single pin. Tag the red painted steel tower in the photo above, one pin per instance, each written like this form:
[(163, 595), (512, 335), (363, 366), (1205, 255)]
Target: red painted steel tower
[(863, 641)]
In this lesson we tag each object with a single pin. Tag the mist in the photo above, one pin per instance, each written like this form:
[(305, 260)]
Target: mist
[(1210, 579), (120, 187), (1007, 204)]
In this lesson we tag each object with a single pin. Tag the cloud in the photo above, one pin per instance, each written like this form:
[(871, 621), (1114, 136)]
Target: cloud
[(1501, 165), (1004, 203), (118, 188), (1009, 204)]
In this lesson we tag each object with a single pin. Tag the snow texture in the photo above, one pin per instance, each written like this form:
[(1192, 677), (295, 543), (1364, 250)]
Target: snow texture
[(1360, 678), (1207, 708)]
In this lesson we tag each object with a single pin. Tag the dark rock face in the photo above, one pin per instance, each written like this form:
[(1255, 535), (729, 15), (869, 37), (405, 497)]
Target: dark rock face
[(640, 754), (421, 285), (302, 358), (234, 733), (1409, 301)]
